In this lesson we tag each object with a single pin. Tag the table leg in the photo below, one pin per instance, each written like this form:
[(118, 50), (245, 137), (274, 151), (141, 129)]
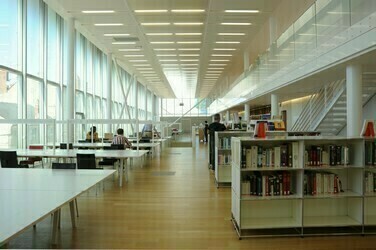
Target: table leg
[(126, 170), (121, 173), (72, 213), (55, 226)]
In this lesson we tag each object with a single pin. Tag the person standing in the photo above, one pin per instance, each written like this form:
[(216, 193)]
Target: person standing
[(215, 126), (206, 129), (120, 139)]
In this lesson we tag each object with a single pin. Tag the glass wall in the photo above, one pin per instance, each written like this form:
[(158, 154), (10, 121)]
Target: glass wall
[(186, 107), (42, 94)]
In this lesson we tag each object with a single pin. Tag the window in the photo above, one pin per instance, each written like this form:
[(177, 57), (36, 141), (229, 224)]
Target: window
[(10, 34), (53, 101), (34, 99), (53, 47), (34, 38)]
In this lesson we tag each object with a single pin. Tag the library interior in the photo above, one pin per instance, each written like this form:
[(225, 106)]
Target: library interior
[(200, 124)]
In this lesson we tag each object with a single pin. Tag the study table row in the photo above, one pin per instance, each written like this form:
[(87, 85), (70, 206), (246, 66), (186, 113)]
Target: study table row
[(122, 155), (29, 195)]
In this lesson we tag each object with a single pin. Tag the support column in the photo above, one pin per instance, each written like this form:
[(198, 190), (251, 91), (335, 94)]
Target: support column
[(136, 97), (227, 117), (354, 99), (146, 103), (109, 91), (246, 113), (70, 114), (274, 103)]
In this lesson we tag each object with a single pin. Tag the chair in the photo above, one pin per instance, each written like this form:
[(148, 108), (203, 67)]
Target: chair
[(8, 159), (58, 165), (117, 146), (109, 161), (66, 146), (86, 161), (32, 160)]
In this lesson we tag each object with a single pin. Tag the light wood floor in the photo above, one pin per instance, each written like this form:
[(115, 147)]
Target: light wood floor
[(170, 203)]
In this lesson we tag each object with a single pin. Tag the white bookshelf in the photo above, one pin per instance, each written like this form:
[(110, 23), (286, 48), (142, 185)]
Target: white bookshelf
[(223, 156), (339, 206)]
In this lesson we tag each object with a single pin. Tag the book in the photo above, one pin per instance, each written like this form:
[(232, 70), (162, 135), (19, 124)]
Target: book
[(277, 157), (254, 157)]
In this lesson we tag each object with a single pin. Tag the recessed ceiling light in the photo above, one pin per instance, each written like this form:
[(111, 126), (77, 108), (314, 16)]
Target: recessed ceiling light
[(231, 34), (221, 55), (227, 42), (162, 42), (189, 55), (97, 11), (189, 60), (166, 54), (242, 11), (188, 11), (159, 34), (224, 49), (219, 60), (189, 49), (121, 43), (240, 24), (108, 24), (129, 50), (188, 34), (164, 49), (117, 34), (134, 55), (190, 23), (136, 60), (217, 64), (155, 24), (150, 11), (189, 42), (168, 60)]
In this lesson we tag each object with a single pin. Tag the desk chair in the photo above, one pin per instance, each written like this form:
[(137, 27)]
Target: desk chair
[(108, 161), (32, 160), (57, 165), (66, 146), (8, 159), (86, 161)]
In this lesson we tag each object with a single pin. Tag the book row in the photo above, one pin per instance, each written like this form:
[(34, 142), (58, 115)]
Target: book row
[(258, 184), (316, 183), (331, 155), (370, 153), (225, 143), (224, 159), (369, 182), (281, 156)]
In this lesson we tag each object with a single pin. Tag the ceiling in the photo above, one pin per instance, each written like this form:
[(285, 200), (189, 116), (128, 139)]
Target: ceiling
[(176, 48)]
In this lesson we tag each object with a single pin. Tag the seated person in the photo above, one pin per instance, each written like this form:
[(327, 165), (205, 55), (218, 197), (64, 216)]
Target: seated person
[(147, 131), (92, 134), (120, 139)]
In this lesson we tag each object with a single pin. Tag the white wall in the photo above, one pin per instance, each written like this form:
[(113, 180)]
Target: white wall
[(369, 113), (293, 109)]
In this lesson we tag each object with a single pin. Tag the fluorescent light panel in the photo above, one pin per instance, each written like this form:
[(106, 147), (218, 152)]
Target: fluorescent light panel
[(227, 42), (239, 24), (188, 11), (137, 60), (162, 42), (155, 24), (189, 42), (242, 11), (123, 43), (159, 34), (150, 11), (134, 55), (219, 60), (189, 49), (224, 49), (188, 34), (130, 50), (164, 49), (231, 34), (221, 55), (183, 55), (189, 23)]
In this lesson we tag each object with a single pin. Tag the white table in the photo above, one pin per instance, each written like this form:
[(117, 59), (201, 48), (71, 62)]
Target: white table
[(99, 145), (72, 153), (29, 195)]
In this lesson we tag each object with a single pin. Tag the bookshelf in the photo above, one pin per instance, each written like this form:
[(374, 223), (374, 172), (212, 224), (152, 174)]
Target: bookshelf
[(300, 186), (223, 156)]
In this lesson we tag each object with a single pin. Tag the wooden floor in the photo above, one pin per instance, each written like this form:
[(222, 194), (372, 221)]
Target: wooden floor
[(170, 203)]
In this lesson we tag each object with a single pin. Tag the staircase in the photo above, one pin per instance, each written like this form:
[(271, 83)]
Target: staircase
[(326, 111)]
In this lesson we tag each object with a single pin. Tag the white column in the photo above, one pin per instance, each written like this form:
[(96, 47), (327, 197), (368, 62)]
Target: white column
[(109, 91), (69, 108), (136, 96), (354, 99), (246, 113), (274, 106), (146, 103), (227, 117)]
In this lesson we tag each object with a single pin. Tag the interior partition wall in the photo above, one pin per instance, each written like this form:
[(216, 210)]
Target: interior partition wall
[(33, 75)]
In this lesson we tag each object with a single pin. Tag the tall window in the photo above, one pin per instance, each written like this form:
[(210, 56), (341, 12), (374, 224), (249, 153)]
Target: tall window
[(34, 38), (10, 34), (53, 47)]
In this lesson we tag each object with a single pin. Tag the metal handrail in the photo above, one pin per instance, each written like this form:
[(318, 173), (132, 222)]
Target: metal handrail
[(318, 106)]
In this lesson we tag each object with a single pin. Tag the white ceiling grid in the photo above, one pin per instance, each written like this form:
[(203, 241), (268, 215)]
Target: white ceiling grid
[(177, 48)]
